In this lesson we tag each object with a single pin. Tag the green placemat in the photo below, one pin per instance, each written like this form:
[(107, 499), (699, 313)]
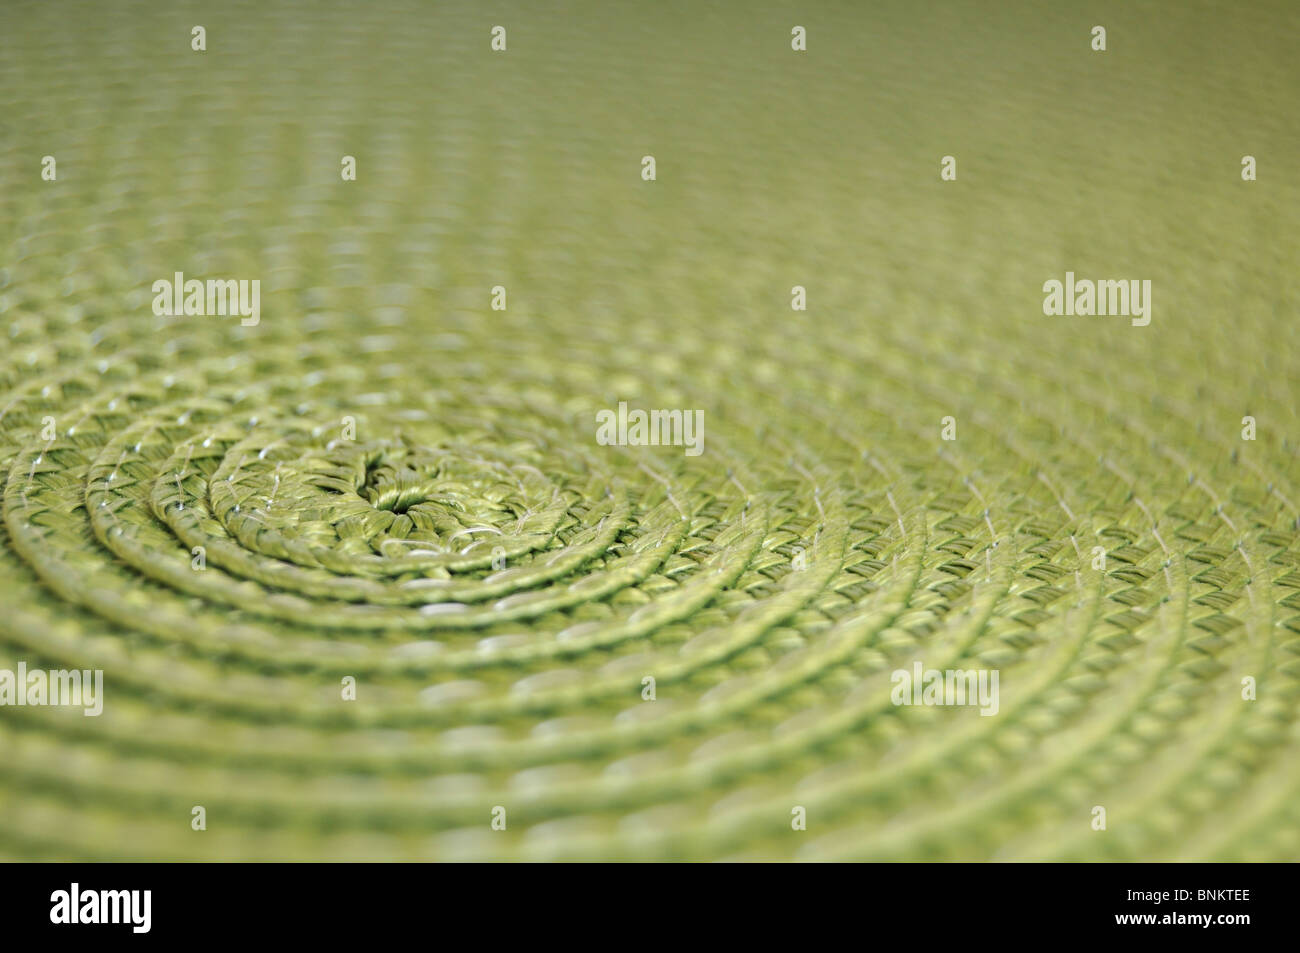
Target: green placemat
[(361, 578)]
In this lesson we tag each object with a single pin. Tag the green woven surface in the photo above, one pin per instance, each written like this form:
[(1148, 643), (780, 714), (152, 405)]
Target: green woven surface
[(476, 428)]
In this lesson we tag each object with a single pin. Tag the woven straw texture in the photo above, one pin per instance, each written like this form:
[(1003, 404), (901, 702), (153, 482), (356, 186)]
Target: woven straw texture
[(826, 537)]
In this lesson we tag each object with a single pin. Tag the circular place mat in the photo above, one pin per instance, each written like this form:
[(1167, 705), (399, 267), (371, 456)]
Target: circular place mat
[(364, 580)]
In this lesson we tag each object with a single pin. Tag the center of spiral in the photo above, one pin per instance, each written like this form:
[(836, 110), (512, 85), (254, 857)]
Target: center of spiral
[(394, 482)]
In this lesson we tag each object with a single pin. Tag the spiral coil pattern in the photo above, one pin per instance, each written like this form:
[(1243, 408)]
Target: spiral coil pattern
[(386, 486)]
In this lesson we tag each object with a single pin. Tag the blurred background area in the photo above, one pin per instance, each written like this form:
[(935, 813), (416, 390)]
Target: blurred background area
[(775, 168)]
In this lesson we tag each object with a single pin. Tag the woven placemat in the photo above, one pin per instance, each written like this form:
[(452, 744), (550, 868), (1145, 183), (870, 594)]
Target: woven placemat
[(364, 583)]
